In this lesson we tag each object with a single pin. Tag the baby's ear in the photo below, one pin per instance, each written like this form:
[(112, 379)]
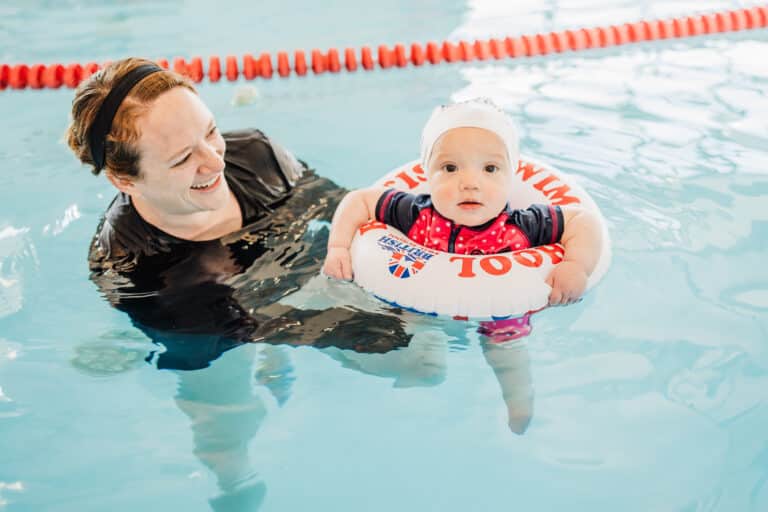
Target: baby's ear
[(123, 184)]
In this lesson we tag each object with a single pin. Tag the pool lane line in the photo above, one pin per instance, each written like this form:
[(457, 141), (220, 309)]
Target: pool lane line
[(53, 76)]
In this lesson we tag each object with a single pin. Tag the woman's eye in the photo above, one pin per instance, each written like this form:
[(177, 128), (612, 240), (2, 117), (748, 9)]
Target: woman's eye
[(213, 131), (450, 168), (491, 168), (182, 161)]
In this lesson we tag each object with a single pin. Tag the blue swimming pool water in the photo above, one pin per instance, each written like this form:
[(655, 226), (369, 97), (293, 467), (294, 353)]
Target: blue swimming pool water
[(649, 395)]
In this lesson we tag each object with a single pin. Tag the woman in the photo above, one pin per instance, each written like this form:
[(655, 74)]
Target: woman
[(207, 230)]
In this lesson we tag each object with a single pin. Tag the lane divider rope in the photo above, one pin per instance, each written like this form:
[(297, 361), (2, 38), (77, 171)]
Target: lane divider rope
[(53, 76)]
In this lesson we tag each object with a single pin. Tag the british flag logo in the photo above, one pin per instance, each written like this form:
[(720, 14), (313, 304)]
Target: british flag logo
[(404, 266)]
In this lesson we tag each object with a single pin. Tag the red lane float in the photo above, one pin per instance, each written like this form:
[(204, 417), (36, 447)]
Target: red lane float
[(52, 76)]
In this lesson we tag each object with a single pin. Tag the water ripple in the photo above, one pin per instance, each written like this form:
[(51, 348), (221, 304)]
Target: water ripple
[(15, 251), (9, 486)]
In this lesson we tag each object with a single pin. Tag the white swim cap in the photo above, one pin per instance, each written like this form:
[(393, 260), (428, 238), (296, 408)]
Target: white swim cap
[(475, 113)]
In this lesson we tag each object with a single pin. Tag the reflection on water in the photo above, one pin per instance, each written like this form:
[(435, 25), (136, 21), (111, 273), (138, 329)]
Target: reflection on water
[(225, 412), (9, 486), (113, 353), (228, 402), (15, 251), (8, 353)]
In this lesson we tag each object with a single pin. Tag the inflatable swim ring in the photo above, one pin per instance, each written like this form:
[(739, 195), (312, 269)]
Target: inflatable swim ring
[(485, 287)]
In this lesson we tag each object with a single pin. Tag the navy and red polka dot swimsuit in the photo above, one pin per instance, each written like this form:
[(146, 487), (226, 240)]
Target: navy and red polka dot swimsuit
[(512, 230)]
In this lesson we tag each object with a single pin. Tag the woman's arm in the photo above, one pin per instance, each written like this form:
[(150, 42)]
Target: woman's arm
[(582, 240), (357, 207)]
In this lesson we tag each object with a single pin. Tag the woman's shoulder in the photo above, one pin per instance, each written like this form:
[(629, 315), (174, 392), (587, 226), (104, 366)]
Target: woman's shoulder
[(123, 236), (260, 172), (251, 154)]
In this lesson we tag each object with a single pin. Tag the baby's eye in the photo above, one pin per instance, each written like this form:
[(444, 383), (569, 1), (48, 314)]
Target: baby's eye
[(491, 168), (450, 168)]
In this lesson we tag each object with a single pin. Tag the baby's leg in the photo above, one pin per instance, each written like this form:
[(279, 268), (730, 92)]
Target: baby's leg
[(511, 365)]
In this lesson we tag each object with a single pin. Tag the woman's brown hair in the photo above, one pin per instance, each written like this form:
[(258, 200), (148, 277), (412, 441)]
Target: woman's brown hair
[(122, 155)]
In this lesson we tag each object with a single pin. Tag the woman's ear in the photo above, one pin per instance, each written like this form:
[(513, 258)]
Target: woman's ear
[(122, 184)]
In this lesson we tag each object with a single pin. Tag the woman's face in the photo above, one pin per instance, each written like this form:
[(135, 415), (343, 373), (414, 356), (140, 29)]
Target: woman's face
[(181, 160)]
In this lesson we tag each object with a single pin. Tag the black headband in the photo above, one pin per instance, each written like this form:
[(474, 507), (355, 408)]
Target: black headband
[(102, 125)]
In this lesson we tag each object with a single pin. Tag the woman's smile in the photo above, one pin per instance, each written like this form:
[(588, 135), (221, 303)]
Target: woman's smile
[(209, 185)]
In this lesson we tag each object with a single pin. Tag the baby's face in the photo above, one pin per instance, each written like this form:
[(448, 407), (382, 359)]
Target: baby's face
[(469, 175)]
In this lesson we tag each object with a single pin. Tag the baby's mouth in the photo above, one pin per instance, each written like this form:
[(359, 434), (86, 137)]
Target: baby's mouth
[(470, 205)]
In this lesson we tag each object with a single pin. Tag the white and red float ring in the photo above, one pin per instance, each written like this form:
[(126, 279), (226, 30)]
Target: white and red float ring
[(486, 287)]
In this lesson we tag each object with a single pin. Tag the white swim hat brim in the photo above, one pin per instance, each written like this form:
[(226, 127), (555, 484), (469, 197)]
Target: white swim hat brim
[(476, 113)]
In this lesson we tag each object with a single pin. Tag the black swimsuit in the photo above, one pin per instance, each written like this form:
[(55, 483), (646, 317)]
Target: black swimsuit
[(201, 298), (260, 174)]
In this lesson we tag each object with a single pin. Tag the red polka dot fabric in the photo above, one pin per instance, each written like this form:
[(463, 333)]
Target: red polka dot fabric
[(512, 230), (433, 231)]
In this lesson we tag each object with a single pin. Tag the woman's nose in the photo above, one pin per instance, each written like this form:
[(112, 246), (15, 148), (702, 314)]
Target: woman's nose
[(214, 158)]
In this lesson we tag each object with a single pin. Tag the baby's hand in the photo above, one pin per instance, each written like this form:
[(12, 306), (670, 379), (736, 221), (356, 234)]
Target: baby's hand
[(338, 263), (568, 281)]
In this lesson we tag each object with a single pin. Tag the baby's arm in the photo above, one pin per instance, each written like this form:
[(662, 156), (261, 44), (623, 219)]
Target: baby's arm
[(582, 240), (357, 207)]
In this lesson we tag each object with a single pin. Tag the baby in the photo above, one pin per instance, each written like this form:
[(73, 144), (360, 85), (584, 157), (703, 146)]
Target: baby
[(469, 151)]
